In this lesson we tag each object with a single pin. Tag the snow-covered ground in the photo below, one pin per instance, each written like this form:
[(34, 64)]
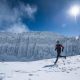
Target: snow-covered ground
[(66, 69)]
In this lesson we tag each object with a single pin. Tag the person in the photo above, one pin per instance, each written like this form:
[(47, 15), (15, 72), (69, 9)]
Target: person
[(59, 48)]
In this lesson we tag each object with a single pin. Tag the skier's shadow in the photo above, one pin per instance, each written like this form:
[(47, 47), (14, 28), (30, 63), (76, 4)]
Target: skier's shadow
[(49, 65)]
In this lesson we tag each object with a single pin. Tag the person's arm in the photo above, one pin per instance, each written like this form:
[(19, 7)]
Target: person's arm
[(62, 48)]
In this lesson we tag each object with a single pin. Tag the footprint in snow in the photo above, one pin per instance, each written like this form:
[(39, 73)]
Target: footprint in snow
[(2, 75), (30, 74), (21, 71)]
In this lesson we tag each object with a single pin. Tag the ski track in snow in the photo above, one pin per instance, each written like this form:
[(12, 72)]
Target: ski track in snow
[(68, 69)]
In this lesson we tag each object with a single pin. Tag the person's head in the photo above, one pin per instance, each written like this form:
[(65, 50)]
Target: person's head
[(57, 42)]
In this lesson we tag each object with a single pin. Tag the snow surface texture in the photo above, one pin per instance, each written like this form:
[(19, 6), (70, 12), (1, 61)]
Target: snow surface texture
[(66, 69), (29, 46)]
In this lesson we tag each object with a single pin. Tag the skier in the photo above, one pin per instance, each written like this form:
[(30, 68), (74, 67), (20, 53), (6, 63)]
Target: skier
[(59, 48)]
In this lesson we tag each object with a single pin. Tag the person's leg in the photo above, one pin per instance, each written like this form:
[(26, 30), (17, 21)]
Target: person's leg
[(57, 58)]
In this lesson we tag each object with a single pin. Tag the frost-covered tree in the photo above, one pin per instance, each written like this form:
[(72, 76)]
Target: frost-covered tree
[(36, 45)]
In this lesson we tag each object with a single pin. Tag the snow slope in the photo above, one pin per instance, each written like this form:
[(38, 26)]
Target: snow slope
[(68, 69)]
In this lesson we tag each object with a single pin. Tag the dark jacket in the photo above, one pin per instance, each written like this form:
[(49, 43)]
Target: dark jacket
[(59, 48)]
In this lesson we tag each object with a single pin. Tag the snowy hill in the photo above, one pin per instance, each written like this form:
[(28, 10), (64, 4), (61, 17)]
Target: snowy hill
[(68, 69), (34, 46)]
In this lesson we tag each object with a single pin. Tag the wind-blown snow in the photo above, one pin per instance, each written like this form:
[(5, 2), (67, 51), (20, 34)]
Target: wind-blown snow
[(66, 69)]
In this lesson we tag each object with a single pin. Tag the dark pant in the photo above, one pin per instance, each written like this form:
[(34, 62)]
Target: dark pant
[(59, 55)]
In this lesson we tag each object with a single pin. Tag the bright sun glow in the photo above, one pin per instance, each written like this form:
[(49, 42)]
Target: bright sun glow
[(74, 11)]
